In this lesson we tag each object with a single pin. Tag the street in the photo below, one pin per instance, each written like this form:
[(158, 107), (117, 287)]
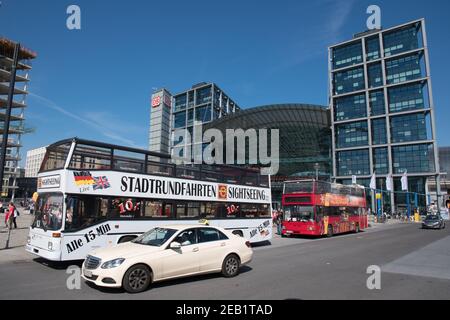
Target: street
[(414, 264)]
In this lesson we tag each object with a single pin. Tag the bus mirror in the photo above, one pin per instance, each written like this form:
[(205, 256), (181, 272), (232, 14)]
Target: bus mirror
[(175, 245)]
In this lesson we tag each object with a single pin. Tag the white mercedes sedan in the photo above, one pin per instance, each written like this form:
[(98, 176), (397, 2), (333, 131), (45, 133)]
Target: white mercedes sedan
[(166, 253)]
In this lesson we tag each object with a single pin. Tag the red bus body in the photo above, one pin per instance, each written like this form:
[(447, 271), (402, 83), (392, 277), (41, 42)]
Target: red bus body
[(317, 208)]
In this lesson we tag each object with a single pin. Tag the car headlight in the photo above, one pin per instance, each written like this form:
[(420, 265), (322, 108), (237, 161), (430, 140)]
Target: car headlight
[(113, 263)]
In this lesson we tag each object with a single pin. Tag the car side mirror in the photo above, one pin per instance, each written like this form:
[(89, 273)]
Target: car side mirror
[(175, 245)]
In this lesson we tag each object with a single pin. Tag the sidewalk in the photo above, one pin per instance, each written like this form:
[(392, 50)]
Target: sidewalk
[(17, 238)]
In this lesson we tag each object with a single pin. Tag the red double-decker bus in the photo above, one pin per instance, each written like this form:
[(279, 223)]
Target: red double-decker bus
[(317, 208)]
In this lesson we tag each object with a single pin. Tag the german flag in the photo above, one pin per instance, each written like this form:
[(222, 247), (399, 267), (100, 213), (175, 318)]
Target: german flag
[(83, 178)]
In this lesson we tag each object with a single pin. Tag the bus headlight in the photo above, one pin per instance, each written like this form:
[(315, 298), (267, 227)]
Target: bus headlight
[(113, 263), (50, 246)]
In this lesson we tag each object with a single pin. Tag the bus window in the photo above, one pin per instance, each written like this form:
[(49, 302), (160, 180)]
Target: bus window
[(90, 158), (83, 212), (49, 212), (125, 208), (157, 209), (232, 210), (299, 213), (249, 210), (264, 211)]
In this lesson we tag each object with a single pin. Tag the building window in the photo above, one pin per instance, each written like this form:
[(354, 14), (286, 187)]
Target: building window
[(352, 134), (375, 75), (404, 69), (352, 107), (373, 48), (407, 97), (355, 162), (377, 105), (347, 55), (413, 158), (402, 40), (379, 135), (204, 95), (179, 120), (203, 114), (380, 160), (412, 127), (180, 103), (349, 81)]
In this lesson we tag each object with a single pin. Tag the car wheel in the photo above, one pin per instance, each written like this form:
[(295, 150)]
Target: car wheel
[(330, 231), (230, 266), (137, 279)]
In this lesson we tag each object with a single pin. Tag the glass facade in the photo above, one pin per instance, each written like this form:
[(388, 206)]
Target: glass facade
[(404, 68), (381, 160), (375, 75), (379, 134), (373, 48), (352, 134), (354, 162), (413, 158), (377, 103), (179, 120), (407, 97), (401, 40), (204, 95), (351, 107), (347, 55), (180, 103), (411, 127), (349, 81)]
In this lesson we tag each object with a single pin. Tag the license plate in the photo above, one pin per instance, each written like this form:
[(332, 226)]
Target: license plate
[(88, 273)]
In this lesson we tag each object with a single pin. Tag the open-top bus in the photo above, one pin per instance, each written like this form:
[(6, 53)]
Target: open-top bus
[(93, 194), (317, 208)]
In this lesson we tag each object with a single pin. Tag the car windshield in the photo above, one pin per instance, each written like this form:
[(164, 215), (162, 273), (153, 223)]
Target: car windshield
[(432, 218), (298, 213), (49, 212), (155, 237)]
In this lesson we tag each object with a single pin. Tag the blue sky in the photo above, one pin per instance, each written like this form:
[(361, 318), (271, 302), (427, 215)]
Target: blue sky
[(95, 83)]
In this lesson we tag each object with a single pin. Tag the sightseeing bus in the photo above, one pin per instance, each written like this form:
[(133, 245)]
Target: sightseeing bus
[(317, 208), (93, 194)]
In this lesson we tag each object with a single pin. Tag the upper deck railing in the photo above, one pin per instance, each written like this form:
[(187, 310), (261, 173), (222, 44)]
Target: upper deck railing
[(91, 155), (322, 187)]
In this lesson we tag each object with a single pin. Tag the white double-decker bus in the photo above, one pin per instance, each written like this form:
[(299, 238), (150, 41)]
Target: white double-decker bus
[(94, 194)]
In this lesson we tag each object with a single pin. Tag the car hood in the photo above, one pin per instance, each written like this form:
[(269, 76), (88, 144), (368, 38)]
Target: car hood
[(123, 250)]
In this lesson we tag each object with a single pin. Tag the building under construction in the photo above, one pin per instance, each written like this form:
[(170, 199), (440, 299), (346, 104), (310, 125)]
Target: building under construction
[(13, 93)]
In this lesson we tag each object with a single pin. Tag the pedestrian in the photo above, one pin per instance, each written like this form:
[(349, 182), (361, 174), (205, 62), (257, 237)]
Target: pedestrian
[(11, 217), (279, 222)]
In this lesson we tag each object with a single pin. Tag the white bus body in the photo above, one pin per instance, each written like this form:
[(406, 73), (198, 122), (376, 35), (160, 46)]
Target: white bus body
[(79, 210)]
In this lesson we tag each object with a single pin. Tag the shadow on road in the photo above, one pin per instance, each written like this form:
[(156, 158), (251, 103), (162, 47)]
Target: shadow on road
[(58, 265), (166, 283)]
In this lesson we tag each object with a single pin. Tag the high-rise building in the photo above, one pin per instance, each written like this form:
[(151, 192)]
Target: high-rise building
[(203, 103), (382, 110), (34, 161), (17, 119)]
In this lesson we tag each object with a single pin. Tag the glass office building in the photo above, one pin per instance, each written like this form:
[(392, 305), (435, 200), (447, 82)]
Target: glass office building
[(382, 110), (181, 113)]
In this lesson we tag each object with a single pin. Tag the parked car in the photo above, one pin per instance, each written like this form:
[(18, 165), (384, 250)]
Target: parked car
[(166, 253), (433, 222)]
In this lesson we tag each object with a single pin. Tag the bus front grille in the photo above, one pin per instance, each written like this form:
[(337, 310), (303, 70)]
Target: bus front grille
[(92, 262)]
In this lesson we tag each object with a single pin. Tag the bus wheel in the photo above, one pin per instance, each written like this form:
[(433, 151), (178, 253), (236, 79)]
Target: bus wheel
[(137, 278), (126, 239), (330, 231), (230, 266)]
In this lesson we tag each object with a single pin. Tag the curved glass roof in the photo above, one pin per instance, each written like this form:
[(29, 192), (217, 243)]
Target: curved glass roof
[(305, 134)]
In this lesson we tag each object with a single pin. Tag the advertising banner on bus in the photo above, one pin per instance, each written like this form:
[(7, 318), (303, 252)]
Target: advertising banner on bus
[(112, 183)]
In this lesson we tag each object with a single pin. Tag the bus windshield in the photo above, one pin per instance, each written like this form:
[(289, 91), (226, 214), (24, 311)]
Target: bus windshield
[(49, 212), (298, 213)]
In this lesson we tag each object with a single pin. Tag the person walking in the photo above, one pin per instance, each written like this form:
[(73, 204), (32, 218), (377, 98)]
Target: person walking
[(279, 222), (11, 216)]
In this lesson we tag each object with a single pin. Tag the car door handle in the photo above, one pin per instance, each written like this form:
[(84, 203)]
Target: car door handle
[(223, 244), (195, 250)]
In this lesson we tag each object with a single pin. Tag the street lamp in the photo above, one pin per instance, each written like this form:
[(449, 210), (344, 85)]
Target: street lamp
[(316, 167)]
